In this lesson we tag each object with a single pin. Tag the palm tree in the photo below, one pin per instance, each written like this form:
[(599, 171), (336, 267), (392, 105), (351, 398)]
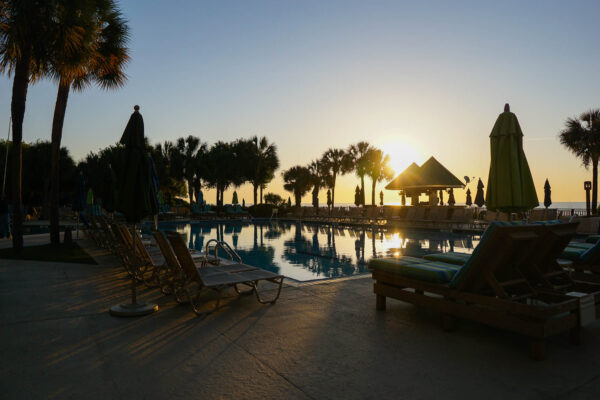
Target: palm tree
[(264, 162), (358, 152), (378, 168), (188, 148), (334, 162), (582, 137), (25, 38), (298, 181), (96, 54)]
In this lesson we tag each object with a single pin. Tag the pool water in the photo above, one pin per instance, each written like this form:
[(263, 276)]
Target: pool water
[(305, 252)]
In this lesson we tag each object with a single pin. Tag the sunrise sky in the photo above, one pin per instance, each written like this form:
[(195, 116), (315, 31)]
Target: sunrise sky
[(415, 79)]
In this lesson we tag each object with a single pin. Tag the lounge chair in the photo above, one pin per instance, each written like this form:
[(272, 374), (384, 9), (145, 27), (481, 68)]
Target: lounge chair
[(490, 288), (218, 278)]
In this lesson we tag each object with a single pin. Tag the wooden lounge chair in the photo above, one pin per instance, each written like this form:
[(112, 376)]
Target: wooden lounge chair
[(218, 278), (490, 288)]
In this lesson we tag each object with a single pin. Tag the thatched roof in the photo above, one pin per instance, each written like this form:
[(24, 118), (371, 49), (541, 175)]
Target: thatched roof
[(430, 175)]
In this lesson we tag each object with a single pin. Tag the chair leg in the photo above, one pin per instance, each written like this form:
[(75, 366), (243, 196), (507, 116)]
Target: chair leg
[(379, 302), (278, 281)]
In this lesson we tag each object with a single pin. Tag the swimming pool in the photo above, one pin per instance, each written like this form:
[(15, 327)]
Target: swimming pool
[(306, 252)]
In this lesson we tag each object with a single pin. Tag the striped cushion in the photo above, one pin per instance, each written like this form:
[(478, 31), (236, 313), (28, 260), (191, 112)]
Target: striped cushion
[(593, 239), (391, 263), (449, 257), (428, 271)]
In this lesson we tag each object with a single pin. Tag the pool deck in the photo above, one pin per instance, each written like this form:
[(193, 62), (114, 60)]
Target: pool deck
[(319, 341)]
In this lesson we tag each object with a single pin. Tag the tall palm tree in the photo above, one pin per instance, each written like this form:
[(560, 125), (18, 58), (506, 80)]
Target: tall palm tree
[(298, 181), (187, 148), (378, 168), (265, 162), (358, 152), (335, 162), (25, 45), (200, 168), (96, 54), (582, 137)]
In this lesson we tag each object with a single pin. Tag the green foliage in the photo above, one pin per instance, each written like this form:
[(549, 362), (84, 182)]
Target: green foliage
[(298, 181), (274, 199), (36, 173)]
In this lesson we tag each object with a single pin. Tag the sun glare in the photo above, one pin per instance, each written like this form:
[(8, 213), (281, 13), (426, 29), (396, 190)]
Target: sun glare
[(401, 153)]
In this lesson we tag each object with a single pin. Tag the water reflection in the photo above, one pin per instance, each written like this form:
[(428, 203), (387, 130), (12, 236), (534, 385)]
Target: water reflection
[(317, 251)]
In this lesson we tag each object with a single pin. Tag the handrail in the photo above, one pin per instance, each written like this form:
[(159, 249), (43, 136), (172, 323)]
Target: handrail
[(225, 247)]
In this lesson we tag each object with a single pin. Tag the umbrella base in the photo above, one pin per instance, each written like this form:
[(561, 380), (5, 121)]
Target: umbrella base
[(133, 310)]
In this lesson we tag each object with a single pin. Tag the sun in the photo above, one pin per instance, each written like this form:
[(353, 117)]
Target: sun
[(401, 153)]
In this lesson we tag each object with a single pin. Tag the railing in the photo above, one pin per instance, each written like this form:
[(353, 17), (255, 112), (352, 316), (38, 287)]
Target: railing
[(219, 244)]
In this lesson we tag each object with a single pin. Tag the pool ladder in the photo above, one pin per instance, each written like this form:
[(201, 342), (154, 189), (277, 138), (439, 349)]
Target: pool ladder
[(219, 244)]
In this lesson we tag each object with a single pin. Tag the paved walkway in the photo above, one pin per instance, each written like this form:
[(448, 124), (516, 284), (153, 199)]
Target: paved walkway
[(57, 340)]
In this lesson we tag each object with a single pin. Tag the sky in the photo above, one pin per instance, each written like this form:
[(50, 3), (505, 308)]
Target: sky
[(416, 79)]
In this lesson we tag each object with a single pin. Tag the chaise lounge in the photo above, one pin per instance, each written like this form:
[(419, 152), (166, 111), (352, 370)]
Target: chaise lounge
[(489, 288)]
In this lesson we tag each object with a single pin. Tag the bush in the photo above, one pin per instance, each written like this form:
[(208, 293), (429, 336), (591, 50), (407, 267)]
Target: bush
[(261, 210)]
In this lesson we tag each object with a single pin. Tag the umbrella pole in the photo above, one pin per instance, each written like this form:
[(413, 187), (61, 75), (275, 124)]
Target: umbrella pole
[(133, 309)]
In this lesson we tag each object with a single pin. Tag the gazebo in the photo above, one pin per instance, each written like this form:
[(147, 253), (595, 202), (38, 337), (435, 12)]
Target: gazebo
[(429, 178)]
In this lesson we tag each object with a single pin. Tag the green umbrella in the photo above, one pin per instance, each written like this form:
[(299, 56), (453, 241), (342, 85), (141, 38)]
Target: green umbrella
[(510, 185), (136, 195)]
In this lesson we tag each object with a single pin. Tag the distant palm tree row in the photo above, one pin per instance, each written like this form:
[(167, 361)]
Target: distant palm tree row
[(187, 165), (361, 158)]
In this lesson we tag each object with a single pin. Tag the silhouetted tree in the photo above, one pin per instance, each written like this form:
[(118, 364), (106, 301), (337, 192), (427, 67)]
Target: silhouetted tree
[(582, 137)]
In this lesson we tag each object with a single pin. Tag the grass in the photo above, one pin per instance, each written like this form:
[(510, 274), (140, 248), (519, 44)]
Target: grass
[(69, 253)]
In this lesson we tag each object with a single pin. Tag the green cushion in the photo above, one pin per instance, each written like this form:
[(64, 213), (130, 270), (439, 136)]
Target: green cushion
[(572, 253), (392, 263), (482, 242), (449, 257), (581, 245), (429, 271), (593, 239), (548, 222)]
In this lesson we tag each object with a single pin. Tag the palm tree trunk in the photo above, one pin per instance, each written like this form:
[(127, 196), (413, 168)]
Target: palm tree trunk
[(255, 187), (57, 126), (17, 108), (261, 194), (333, 191), (298, 199), (595, 186), (190, 191), (362, 190), (373, 192)]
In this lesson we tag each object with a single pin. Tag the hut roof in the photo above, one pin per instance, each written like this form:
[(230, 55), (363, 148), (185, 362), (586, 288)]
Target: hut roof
[(407, 178), (431, 175)]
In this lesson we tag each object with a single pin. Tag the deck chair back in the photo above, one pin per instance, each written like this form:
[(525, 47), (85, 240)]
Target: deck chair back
[(494, 265), (183, 256)]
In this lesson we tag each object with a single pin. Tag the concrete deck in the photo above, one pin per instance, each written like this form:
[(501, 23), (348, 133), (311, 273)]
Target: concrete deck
[(320, 341)]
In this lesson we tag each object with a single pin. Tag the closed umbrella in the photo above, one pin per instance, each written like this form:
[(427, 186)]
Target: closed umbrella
[(469, 201), (510, 185), (547, 193), (137, 198), (451, 200), (200, 199), (479, 195), (234, 199)]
